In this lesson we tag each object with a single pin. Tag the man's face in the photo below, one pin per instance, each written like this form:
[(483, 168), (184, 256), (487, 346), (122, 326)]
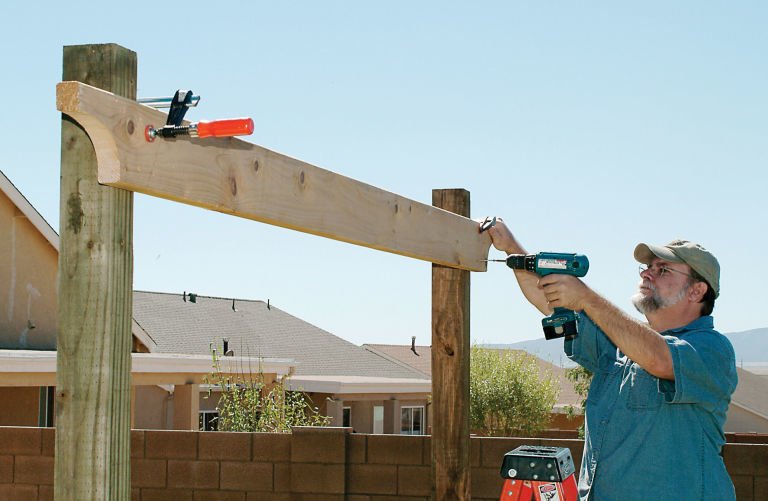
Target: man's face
[(662, 285)]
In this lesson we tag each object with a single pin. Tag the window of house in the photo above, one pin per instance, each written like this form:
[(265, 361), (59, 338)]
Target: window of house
[(378, 419), (45, 413), (412, 420), (209, 420), (346, 417)]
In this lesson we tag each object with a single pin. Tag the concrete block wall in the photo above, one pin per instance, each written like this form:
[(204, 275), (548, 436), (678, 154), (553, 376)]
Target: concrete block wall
[(748, 467), (325, 464), (26, 463)]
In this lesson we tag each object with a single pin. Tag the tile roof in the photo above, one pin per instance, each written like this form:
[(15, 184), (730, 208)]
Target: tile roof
[(402, 353), (255, 329)]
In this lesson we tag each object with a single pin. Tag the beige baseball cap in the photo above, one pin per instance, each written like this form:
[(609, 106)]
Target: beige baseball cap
[(682, 251)]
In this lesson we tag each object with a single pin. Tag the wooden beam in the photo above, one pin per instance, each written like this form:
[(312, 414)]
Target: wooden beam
[(236, 177), (450, 369), (93, 387)]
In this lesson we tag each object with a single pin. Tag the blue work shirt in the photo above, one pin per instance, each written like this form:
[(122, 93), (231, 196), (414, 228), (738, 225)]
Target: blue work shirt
[(650, 438)]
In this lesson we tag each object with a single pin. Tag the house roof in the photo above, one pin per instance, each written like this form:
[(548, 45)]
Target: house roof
[(255, 329), (423, 363), (751, 393), (421, 360), (26, 208)]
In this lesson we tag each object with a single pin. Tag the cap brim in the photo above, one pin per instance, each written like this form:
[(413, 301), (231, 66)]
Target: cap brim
[(645, 254)]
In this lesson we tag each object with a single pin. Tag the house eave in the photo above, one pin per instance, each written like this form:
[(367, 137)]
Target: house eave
[(345, 385), (31, 367)]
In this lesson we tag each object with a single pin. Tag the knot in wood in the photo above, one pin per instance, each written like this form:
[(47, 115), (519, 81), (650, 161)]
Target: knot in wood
[(75, 214)]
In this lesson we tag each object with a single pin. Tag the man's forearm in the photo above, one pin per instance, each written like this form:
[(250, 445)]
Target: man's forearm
[(529, 285), (635, 339), (505, 241)]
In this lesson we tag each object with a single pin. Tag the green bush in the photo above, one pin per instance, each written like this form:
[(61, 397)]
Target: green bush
[(508, 395), (248, 403)]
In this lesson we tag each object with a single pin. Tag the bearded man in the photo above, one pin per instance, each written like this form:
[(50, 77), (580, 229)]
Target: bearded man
[(660, 390)]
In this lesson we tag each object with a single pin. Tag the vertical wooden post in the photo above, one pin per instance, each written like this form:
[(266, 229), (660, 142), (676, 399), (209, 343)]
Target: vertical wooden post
[(450, 368), (93, 397)]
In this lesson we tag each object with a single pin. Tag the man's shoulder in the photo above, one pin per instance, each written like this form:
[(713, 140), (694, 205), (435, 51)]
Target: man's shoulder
[(713, 338), (702, 327), (702, 335)]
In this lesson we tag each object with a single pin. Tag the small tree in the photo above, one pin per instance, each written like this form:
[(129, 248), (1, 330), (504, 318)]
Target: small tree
[(248, 403), (581, 379), (507, 393)]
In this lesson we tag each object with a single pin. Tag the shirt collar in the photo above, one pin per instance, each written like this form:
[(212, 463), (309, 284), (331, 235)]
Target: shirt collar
[(702, 323)]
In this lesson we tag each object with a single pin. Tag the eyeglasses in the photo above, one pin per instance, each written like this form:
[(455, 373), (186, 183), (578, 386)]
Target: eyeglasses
[(660, 271)]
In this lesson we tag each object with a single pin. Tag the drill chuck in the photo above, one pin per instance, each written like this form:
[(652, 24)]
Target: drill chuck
[(522, 262)]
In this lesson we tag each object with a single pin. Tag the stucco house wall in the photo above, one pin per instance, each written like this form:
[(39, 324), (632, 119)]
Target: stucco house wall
[(28, 268)]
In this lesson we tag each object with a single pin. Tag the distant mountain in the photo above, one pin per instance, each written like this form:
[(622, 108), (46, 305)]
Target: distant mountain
[(551, 351), (750, 346)]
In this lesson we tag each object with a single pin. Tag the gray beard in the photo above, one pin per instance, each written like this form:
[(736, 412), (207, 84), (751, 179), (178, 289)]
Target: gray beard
[(655, 302)]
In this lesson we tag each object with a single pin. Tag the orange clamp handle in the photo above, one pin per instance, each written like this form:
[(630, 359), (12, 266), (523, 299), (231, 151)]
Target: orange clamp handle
[(225, 128)]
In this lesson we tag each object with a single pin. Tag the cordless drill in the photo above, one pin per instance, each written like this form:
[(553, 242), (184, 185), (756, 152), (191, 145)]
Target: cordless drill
[(562, 323)]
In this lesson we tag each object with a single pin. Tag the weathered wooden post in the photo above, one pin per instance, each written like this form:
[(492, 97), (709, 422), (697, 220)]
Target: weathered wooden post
[(450, 368), (93, 398)]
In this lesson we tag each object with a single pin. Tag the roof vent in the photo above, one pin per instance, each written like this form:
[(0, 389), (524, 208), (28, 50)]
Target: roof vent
[(413, 346), (192, 297), (227, 351)]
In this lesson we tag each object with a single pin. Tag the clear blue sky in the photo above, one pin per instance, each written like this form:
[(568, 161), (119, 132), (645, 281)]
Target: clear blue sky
[(588, 126)]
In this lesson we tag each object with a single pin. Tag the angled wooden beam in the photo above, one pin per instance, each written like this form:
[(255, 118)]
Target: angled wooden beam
[(236, 177)]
